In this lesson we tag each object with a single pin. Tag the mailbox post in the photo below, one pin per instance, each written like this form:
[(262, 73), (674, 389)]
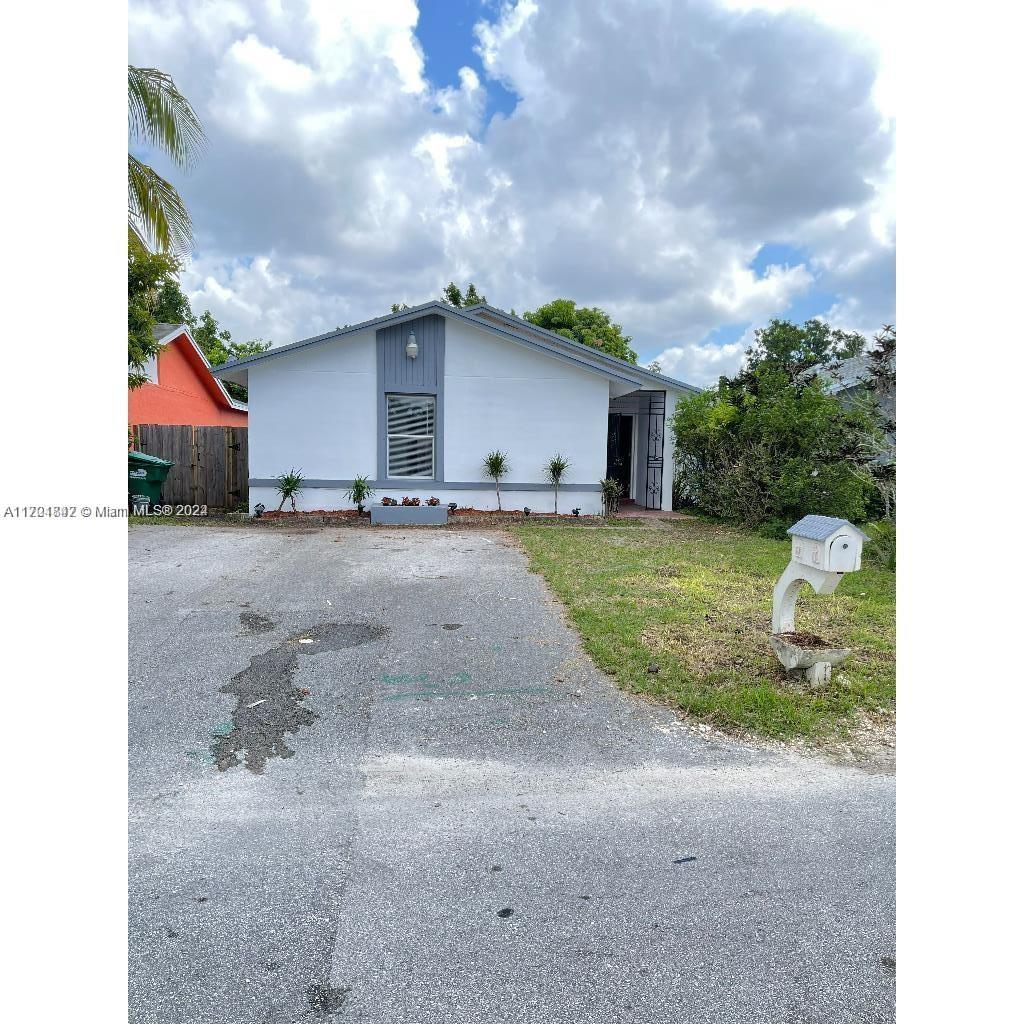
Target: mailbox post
[(824, 550)]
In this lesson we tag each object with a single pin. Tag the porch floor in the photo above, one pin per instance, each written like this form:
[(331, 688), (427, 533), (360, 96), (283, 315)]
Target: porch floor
[(630, 510)]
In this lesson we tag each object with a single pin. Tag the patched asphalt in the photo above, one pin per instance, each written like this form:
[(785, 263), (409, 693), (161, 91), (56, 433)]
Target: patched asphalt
[(374, 778)]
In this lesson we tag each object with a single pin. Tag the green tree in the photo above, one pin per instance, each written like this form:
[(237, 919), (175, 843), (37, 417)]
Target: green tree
[(218, 348), (881, 362), (160, 117), (586, 324), (155, 297), (215, 343), (245, 349), (770, 443), (171, 305), (795, 351), (149, 274), (452, 294)]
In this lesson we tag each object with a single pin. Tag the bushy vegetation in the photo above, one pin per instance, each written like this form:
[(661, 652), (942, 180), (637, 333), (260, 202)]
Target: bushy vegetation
[(586, 324), (289, 485), (770, 444), (155, 297)]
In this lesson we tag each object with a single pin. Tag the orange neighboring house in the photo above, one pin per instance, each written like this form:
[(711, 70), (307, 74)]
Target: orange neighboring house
[(182, 390)]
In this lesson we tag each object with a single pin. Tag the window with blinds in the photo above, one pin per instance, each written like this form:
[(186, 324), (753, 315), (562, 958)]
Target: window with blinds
[(410, 436)]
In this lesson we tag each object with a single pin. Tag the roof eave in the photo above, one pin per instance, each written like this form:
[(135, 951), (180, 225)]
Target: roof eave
[(229, 401), (578, 353), (646, 374)]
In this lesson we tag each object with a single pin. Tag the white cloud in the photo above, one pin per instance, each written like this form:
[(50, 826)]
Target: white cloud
[(701, 364), (742, 295), (651, 154)]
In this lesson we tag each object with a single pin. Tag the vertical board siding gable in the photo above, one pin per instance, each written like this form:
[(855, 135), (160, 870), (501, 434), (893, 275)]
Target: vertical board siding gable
[(398, 374)]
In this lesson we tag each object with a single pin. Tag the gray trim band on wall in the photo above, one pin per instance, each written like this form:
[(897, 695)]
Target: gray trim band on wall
[(426, 485)]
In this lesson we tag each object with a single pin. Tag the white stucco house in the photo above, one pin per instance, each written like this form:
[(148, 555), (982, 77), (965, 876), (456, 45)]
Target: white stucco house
[(416, 399)]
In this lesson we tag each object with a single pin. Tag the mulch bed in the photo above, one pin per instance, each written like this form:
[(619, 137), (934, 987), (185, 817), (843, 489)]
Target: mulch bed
[(460, 517), (346, 513)]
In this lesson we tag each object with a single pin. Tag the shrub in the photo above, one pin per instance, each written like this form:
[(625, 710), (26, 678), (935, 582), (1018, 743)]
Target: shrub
[(771, 443), (555, 469), (496, 466), (288, 485), (611, 493), (880, 549), (360, 491)]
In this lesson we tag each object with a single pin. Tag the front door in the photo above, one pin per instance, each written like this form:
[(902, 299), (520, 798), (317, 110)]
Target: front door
[(620, 450)]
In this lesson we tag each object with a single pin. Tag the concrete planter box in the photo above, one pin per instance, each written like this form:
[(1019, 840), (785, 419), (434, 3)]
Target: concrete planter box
[(408, 515)]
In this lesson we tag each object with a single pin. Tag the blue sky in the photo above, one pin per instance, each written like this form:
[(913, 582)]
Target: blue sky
[(694, 167), (445, 31)]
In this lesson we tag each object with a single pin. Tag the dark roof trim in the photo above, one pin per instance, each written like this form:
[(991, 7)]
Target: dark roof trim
[(564, 348)]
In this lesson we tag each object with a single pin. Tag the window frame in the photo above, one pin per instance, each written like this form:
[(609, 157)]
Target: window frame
[(388, 395)]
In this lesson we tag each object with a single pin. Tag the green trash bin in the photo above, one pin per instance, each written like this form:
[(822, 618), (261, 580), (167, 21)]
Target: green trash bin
[(146, 475)]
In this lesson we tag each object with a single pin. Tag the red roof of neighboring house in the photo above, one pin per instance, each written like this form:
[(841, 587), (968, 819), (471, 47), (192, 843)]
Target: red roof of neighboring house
[(182, 390)]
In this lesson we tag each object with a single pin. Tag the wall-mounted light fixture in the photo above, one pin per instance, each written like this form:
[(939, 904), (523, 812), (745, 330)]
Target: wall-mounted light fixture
[(412, 350)]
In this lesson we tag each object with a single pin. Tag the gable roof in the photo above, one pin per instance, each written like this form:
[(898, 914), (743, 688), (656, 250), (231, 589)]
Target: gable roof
[(167, 333), (849, 373), (517, 323), (512, 330), (821, 527)]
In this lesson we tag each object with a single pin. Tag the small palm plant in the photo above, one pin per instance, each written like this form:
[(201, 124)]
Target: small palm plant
[(496, 466), (288, 485), (359, 492), (556, 469)]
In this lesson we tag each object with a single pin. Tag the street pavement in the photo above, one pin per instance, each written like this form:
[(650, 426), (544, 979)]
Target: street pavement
[(373, 777)]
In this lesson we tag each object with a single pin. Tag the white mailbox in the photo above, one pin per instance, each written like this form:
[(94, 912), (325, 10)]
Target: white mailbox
[(822, 542)]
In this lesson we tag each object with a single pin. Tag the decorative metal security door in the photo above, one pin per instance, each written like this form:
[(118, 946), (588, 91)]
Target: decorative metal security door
[(620, 450), (655, 447)]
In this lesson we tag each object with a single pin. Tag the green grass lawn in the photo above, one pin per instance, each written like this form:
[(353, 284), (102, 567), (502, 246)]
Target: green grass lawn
[(695, 599)]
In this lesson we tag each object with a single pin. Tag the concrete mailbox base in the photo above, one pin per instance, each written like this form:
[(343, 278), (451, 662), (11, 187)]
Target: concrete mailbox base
[(408, 515), (815, 663)]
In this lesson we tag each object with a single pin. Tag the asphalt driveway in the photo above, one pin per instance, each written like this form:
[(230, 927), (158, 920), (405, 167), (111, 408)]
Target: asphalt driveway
[(374, 778)]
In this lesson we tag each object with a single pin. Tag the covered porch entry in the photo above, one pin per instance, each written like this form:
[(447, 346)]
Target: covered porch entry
[(636, 446)]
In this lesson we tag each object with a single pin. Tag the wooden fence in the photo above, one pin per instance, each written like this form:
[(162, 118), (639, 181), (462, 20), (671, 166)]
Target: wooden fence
[(211, 464)]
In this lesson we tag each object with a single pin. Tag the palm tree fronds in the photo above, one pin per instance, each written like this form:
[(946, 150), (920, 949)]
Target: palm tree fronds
[(155, 209), (160, 115)]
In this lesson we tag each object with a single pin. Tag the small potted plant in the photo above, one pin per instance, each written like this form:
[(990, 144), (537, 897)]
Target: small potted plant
[(433, 502)]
